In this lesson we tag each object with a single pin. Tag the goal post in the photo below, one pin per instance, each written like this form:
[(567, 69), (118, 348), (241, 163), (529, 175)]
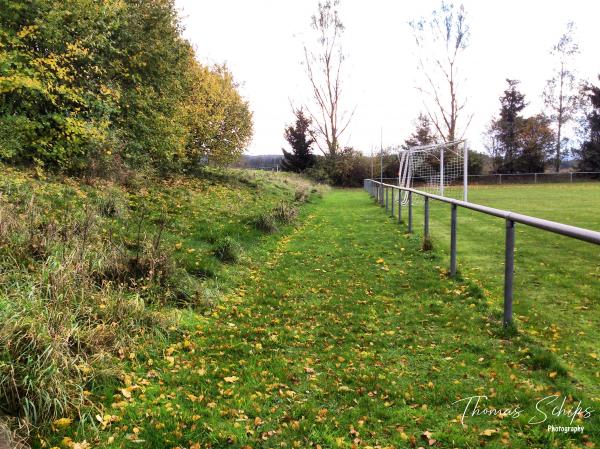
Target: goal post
[(441, 169)]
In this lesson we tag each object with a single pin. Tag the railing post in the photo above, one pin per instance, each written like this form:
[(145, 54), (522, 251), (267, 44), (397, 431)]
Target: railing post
[(410, 212), (509, 268), (426, 219), (393, 200), (386, 199), (453, 220), (399, 206)]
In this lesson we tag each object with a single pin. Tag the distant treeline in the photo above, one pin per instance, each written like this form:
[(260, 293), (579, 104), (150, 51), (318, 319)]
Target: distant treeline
[(92, 85)]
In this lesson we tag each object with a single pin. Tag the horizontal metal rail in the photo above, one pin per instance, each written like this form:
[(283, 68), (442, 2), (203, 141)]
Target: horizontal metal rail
[(511, 218)]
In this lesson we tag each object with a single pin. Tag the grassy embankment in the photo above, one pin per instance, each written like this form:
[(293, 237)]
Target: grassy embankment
[(341, 334), (91, 272)]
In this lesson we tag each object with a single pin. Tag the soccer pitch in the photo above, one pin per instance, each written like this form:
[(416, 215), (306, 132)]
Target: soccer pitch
[(557, 279)]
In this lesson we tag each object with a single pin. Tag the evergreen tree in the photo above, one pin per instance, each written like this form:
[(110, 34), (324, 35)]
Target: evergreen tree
[(300, 139), (589, 155), (513, 102), (519, 144), (422, 135)]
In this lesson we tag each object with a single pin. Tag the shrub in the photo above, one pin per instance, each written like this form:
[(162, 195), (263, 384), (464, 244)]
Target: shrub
[(207, 297), (228, 250), (265, 222), (110, 206), (285, 213), (301, 195)]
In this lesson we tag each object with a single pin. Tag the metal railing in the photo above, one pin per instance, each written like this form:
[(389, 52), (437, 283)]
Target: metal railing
[(380, 191)]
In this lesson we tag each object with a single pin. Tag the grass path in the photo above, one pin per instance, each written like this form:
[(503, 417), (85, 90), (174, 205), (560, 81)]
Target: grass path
[(348, 336)]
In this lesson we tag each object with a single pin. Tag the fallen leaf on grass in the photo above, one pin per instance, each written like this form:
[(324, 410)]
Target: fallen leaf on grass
[(63, 422)]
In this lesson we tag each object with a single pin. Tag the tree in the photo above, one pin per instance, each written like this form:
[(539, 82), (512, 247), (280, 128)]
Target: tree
[(218, 119), (348, 169), (324, 70), (476, 162), (589, 154), (87, 83), (56, 98), (422, 135), (519, 144), (507, 126), (536, 143), (441, 41), (560, 94), (300, 140)]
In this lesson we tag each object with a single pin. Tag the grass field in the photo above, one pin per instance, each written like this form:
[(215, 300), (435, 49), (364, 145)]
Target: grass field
[(557, 279), (341, 333)]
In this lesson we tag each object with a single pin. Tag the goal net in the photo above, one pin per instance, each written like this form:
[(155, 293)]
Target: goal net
[(440, 169)]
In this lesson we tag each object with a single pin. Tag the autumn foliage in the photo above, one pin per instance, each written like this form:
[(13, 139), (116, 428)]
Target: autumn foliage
[(86, 84)]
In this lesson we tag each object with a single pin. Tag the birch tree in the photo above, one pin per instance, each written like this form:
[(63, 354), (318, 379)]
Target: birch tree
[(441, 41), (561, 94)]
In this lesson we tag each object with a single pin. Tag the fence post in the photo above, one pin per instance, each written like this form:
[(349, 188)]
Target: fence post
[(453, 240), (410, 212), (535, 178), (509, 268), (500, 179), (399, 206), (393, 198), (426, 219), (571, 176)]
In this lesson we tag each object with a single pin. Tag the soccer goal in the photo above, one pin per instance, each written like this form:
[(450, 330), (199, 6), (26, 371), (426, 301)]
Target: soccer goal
[(440, 169)]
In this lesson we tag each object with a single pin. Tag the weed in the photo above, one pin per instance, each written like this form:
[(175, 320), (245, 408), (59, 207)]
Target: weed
[(228, 250), (427, 244), (301, 195), (285, 213), (265, 222)]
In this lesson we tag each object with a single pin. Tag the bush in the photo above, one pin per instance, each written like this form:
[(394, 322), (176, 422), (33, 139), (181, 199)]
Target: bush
[(285, 213), (207, 297), (265, 222), (301, 195), (228, 250)]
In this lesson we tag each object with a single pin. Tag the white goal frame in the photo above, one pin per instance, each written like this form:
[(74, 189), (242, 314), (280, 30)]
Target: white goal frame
[(449, 167)]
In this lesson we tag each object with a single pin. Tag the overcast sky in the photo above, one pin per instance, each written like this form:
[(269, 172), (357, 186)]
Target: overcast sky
[(262, 43)]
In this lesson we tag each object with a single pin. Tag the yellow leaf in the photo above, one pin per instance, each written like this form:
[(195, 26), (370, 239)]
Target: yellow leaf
[(126, 393), (231, 379), (63, 422), (552, 375), (488, 432)]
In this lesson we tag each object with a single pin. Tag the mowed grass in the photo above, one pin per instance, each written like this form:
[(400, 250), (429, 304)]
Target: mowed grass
[(557, 279), (342, 334)]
